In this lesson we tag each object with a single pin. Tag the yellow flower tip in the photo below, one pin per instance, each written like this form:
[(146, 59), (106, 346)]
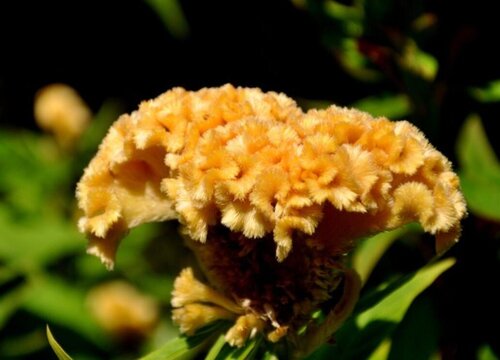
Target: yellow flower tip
[(122, 310), (246, 327), (188, 290), (413, 201), (105, 248), (59, 109), (192, 317), (277, 334)]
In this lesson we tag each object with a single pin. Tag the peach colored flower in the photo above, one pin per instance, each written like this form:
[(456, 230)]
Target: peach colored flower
[(269, 198)]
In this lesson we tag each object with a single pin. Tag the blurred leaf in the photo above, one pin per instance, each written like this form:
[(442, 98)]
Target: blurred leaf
[(135, 243), (377, 314), (421, 318), (37, 242), (269, 355), (482, 195), (419, 62), (171, 14), (187, 347), (369, 251), (60, 353), (350, 17), (33, 172), (480, 170), (392, 106), (474, 151), (10, 302), (424, 22), (61, 303), (489, 93), (299, 3), (22, 346), (485, 353), (382, 351), (343, 12), (99, 126), (354, 62)]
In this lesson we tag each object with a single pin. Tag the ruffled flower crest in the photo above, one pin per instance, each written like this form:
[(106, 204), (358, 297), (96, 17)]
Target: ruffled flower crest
[(249, 175)]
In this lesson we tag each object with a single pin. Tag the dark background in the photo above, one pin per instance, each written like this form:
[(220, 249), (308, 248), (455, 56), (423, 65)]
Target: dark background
[(120, 49)]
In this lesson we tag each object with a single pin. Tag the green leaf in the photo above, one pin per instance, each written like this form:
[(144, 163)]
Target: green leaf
[(33, 174), (480, 169), (23, 345), (350, 17), (489, 93), (382, 351), (392, 306), (377, 314), (354, 62), (216, 348), (246, 352), (392, 106), (60, 353), (10, 302), (270, 355), (419, 62), (170, 12), (36, 242), (486, 353), (187, 347), (474, 150), (482, 195), (369, 251), (421, 318), (64, 304)]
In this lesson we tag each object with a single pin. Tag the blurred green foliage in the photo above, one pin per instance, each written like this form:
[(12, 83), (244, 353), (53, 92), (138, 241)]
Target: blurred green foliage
[(45, 275)]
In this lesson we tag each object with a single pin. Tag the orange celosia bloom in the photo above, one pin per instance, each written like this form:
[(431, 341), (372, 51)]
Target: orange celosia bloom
[(254, 180)]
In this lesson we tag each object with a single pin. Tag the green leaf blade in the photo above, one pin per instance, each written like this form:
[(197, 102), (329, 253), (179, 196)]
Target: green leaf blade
[(480, 170), (216, 348), (487, 94), (170, 12), (61, 303), (393, 307), (377, 314), (58, 350), (369, 251), (187, 347)]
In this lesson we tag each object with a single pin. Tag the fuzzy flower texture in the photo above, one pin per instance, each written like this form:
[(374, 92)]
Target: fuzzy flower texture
[(269, 198)]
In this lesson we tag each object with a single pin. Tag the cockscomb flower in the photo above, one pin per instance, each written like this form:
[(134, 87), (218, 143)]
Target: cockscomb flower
[(269, 198)]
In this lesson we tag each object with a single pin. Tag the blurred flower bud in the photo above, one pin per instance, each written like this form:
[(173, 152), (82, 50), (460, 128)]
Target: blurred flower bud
[(122, 310), (60, 110)]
